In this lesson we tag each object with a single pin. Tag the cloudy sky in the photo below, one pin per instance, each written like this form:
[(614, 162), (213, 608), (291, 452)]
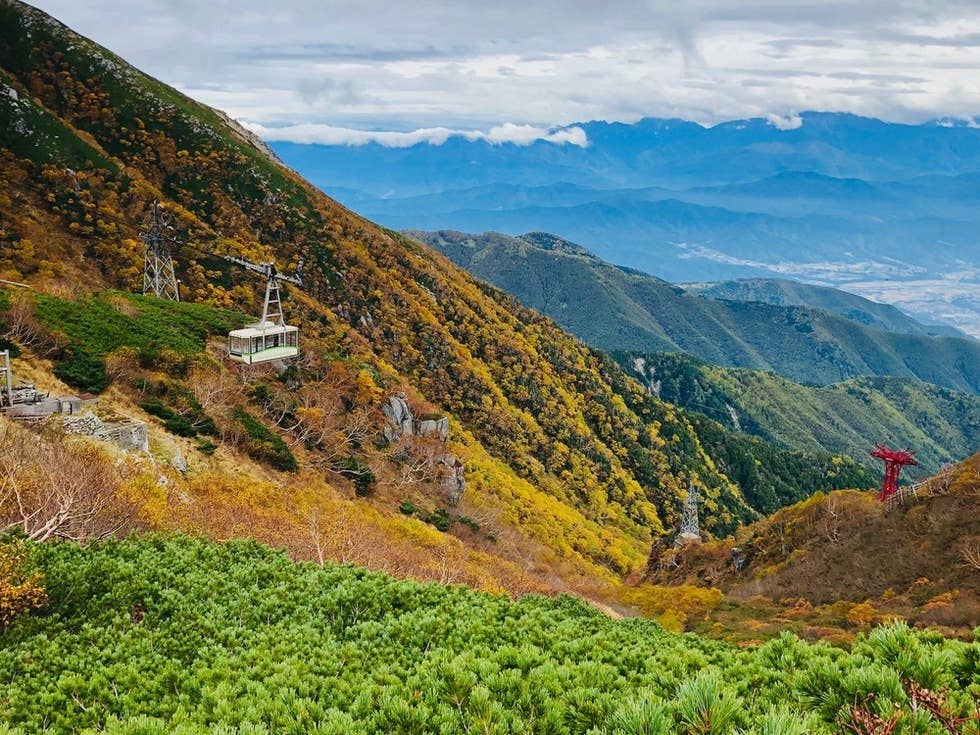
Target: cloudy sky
[(323, 70)]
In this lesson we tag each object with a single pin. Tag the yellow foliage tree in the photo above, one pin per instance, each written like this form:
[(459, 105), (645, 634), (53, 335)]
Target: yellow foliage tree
[(862, 615), (673, 606), (20, 590)]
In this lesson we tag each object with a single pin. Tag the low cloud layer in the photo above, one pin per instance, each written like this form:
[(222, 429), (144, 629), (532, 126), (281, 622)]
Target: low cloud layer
[(334, 135), (431, 66)]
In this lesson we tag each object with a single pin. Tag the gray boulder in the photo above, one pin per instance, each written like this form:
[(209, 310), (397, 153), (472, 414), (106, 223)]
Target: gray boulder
[(401, 422), (433, 428)]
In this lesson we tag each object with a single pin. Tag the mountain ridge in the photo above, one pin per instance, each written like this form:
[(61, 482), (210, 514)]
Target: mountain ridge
[(624, 309), (785, 292)]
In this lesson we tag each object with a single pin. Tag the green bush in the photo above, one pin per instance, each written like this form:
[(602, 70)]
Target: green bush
[(358, 473), (206, 446), (81, 369), (265, 445), (440, 519), (172, 422), (234, 637), (6, 344)]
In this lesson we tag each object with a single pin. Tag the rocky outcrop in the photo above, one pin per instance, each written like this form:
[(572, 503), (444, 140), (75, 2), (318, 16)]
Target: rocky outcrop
[(454, 480), (401, 421), (178, 462), (433, 428)]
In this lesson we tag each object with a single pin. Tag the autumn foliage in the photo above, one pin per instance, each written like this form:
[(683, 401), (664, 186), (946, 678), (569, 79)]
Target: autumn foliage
[(20, 588)]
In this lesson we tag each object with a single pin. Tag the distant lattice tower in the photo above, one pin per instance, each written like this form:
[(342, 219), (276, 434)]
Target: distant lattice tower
[(895, 460), (690, 531), (157, 235)]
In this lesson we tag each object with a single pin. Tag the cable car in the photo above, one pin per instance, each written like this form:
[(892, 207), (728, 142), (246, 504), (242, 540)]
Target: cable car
[(270, 338)]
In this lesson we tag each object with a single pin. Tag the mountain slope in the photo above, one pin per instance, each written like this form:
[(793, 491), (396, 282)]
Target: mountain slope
[(918, 560), (616, 308), (126, 644), (782, 292), (942, 425), (575, 466)]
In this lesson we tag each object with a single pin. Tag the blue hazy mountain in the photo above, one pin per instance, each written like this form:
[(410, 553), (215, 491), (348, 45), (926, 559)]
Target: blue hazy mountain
[(841, 200), (651, 152)]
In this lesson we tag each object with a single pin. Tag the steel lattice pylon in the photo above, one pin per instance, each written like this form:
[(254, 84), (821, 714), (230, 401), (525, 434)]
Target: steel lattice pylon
[(690, 526), (157, 235), (894, 460)]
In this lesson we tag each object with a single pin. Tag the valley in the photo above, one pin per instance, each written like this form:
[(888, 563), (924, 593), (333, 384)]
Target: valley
[(616, 308)]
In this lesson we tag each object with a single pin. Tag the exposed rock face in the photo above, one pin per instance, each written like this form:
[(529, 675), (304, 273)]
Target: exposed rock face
[(178, 462), (401, 421), (433, 428), (734, 415), (652, 385)]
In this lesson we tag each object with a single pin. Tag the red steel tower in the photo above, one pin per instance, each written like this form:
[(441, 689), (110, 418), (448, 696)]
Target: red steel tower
[(894, 460)]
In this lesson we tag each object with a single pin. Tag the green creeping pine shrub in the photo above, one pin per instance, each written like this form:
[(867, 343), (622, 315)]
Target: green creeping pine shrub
[(440, 519), (82, 369), (11, 347), (706, 707), (641, 717), (182, 414), (172, 421), (103, 322), (166, 333), (206, 446), (360, 474), (168, 634), (265, 445)]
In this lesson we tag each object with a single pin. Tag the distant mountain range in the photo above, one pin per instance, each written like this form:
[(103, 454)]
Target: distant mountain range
[(887, 210), (617, 308)]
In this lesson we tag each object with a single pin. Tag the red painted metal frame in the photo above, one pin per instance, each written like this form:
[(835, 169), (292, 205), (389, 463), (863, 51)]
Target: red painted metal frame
[(894, 460)]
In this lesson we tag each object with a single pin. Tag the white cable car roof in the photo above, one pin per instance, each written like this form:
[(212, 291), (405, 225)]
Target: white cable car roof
[(260, 329)]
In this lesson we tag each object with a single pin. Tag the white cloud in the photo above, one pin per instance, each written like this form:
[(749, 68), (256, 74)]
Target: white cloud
[(470, 64), (785, 122), (335, 135)]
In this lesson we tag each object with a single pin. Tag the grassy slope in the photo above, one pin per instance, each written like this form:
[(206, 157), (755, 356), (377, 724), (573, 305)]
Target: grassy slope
[(622, 309), (125, 645), (942, 425)]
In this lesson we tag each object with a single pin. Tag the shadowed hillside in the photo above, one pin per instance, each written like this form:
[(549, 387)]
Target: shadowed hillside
[(941, 425)]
